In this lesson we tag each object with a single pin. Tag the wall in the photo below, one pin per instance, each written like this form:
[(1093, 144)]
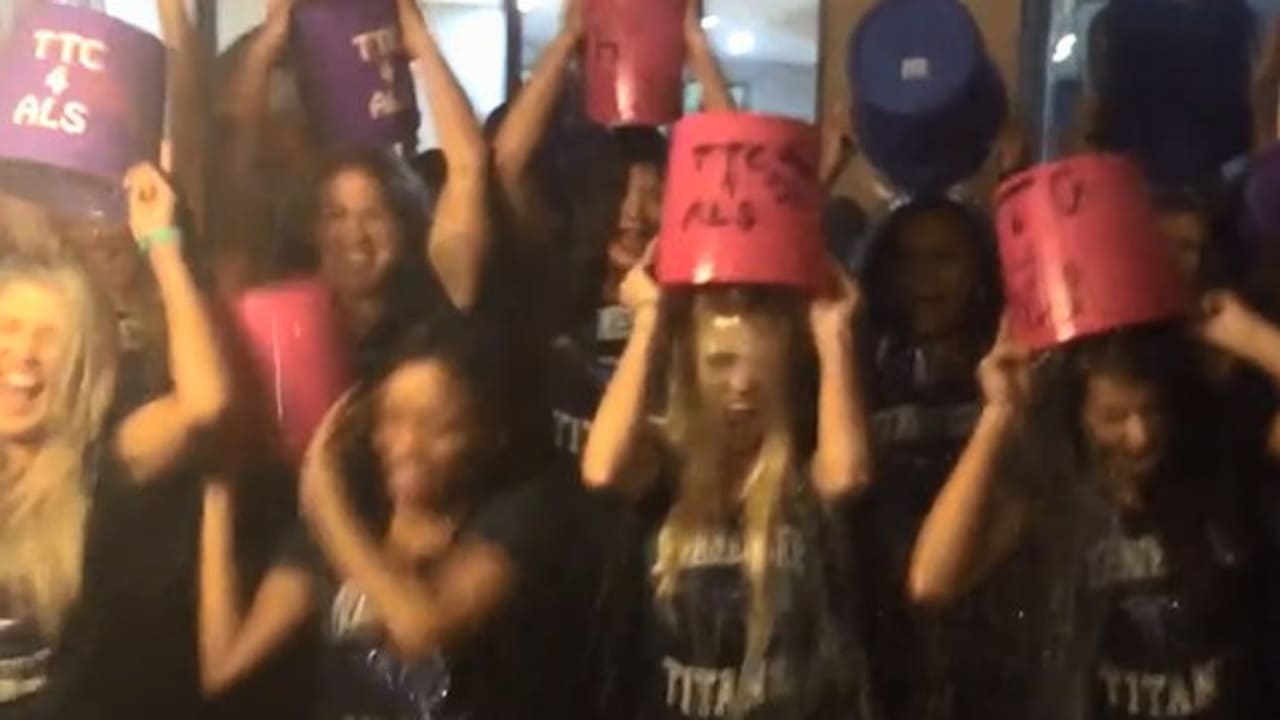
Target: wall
[(776, 88)]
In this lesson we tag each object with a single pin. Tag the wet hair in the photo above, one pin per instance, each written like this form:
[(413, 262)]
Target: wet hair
[(701, 496), (1160, 356), (42, 541), (878, 270), (467, 354)]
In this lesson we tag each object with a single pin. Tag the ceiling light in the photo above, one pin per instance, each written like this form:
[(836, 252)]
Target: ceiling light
[(1064, 47), (741, 42), (711, 22)]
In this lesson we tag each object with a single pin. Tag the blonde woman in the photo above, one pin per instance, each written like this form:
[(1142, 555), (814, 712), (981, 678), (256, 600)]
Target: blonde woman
[(742, 619), (58, 361)]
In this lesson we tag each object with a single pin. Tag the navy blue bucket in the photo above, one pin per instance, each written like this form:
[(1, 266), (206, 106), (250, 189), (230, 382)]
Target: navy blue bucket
[(1174, 85), (928, 100)]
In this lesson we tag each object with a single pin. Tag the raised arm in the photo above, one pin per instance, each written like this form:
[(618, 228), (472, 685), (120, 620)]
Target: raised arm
[(188, 108), (459, 237), (1233, 327), (616, 453), (525, 126), (156, 437), (971, 527), (703, 64), (245, 101), (233, 644), (841, 462), (420, 615)]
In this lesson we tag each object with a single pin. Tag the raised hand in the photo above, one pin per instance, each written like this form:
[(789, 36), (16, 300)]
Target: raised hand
[(574, 24), (1227, 323), (639, 291), (276, 27), (1005, 373), (152, 201), (413, 28), (693, 32), (833, 309)]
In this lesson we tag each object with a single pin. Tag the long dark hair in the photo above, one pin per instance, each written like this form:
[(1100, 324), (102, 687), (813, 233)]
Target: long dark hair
[(467, 354), (878, 269), (598, 186), (1161, 356)]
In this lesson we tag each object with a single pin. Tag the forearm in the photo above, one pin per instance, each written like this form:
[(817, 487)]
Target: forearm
[(526, 124), (405, 604), (201, 385), (460, 135), (622, 416), (246, 100), (707, 71), (955, 543), (188, 115), (219, 603), (841, 464), (1261, 348)]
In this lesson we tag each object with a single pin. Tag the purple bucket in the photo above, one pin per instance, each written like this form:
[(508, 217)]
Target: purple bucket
[(929, 100), (354, 72), (81, 100)]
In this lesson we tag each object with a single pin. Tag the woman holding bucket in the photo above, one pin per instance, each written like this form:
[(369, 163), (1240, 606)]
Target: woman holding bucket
[(414, 558), (1148, 523), (612, 198), (740, 589), (372, 232), (62, 461)]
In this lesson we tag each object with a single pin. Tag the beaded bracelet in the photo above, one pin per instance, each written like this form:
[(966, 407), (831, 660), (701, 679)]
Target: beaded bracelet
[(158, 237)]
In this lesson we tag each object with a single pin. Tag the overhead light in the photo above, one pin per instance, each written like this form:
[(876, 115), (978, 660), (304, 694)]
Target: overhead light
[(741, 42), (1064, 47), (710, 22)]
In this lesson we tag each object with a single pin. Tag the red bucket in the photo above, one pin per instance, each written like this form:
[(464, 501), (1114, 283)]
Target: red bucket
[(1081, 253), (300, 353), (635, 61), (743, 203)]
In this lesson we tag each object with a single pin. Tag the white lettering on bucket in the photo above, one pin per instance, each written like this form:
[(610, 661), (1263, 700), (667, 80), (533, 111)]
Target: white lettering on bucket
[(71, 118), (915, 68), (71, 49)]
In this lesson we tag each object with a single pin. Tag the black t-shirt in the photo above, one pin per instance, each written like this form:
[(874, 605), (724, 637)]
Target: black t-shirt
[(127, 646), (1162, 611), (695, 639), (1174, 636), (526, 661), (582, 364)]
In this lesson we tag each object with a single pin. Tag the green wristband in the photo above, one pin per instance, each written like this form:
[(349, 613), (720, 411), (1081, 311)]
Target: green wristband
[(161, 236)]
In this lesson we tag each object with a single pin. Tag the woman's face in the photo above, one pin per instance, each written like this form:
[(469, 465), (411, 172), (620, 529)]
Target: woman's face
[(108, 253), (358, 234), (33, 341), (423, 433), (937, 274), (638, 218), (1125, 426), (1188, 233), (741, 367)]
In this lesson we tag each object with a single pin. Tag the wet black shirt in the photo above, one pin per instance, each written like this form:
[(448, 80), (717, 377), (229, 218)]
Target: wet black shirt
[(524, 662), (695, 639)]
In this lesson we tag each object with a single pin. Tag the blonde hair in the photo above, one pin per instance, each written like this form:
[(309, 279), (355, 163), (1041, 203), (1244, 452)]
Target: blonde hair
[(705, 496), (44, 504)]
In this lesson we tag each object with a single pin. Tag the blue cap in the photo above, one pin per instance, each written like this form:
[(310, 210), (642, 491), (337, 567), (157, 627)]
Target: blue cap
[(929, 102)]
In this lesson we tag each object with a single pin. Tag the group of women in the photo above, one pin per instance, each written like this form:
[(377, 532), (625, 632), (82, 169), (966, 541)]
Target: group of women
[(558, 489)]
